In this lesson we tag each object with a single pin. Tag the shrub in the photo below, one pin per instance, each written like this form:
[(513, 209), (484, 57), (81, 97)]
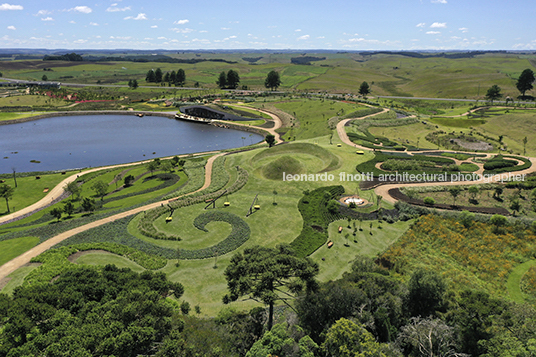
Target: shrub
[(429, 201)]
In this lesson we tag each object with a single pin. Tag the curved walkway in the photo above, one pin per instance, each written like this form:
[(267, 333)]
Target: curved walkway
[(383, 189), (25, 258)]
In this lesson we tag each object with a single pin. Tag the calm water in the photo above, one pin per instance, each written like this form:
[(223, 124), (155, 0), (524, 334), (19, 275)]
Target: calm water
[(70, 142)]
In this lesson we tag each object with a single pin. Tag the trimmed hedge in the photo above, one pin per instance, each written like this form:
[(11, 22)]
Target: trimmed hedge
[(493, 166), (316, 218), (240, 233), (55, 262)]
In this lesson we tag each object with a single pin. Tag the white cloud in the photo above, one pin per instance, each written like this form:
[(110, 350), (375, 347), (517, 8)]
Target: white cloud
[(82, 9), (154, 26), (42, 12), (80, 41), (94, 24), (225, 28), (72, 22), (47, 18), (438, 25), (141, 16), (439, 1), (298, 30), (185, 30), (464, 29), (181, 22), (433, 33), (304, 37), (113, 8), (5, 7), (422, 24), (11, 28)]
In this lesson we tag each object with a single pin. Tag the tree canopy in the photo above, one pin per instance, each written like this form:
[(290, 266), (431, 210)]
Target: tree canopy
[(88, 312), (525, 80), (493, 93), (364, 89), (268, 275), (272, 81)]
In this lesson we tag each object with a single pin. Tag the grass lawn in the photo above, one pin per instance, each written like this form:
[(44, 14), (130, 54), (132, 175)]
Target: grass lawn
[(403, 134), (514, 281), (30, 190), (12, 248), (338, 258), (17, 277), (483, 199), (104, 258), (13, 116), (31, 100)]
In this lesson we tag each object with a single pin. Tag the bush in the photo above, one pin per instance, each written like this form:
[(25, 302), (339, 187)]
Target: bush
[(429, 201)]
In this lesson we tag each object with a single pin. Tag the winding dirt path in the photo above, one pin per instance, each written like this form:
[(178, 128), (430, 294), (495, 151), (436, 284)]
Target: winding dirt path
[(25, 258), (383, 189)]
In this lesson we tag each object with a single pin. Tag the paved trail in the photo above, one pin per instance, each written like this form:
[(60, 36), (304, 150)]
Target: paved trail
[(25, 258), (383, 190)]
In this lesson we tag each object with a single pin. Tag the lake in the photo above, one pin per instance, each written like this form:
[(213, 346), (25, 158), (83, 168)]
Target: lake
[(72, 142)]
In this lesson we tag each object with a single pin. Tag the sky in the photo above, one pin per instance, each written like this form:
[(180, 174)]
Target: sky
[(276, 24)]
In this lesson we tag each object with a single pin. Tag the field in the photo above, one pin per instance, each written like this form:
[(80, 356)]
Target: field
[(168, 237)]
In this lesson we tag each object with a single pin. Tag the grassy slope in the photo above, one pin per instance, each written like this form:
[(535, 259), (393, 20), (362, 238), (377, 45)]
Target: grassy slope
[(15, 247)]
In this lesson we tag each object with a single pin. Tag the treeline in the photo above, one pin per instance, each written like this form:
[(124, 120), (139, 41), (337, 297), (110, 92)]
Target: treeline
[(453, 55), (305, 60), (73, 57)]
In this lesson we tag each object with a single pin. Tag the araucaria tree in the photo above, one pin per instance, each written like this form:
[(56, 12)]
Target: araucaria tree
[(272, 80), (364, 89), (6, 192), (222, 80), (269, 275), (180, 78), (525, 80), (232, 79), (493, 93)]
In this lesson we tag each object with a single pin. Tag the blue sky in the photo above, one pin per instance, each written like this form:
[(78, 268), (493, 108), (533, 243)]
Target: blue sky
[(276, 24)]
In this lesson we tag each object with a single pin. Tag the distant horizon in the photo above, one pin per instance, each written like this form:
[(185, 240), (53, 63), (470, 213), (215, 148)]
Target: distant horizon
[(260, 50), (382, 25)]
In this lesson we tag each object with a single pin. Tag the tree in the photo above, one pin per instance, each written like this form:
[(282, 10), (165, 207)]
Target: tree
[(272, 80), (128, 180), (525, 80), (150, 77), (346, 338), (73, 189), (167, 166), (14, 169), (166, 78), (180, 78), (100, 188), (454, 192), (466, 218), (270, 139), (498, 221), (364, 89), (493, 93), (152, 166), (269, 275), (158, 75), (6, 192), (44, 78), (222, 80), (428, 337), (68, 208), (88, 204), (426, 290), (232, 79), (56, 212), (473, 192)]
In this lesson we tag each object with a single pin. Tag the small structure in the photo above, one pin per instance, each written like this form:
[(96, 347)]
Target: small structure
[(253, 205), (330, 244), (340, 229)]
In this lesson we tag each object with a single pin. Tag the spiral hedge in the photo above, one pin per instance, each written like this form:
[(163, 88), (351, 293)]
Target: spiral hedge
[(240, 233)]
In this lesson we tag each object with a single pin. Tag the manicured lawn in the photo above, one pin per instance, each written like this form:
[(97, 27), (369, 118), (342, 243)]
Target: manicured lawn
[(29, 190), (104, 258), (12, 248), (514, 281), (17, 277), (338, 259)]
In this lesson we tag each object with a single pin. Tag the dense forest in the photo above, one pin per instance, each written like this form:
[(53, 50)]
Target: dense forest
[(371, 311)]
